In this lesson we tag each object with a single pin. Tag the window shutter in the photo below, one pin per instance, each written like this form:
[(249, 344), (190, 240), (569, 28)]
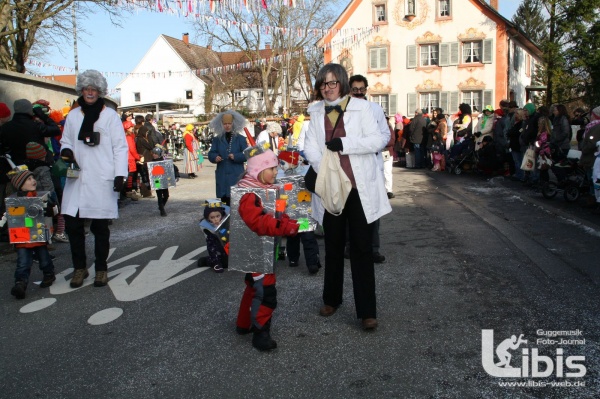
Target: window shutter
[(411, 104), (454, 53), (453, 103), (487, 51), (444, 102), (383, 58), (444, 54), (373, 58), (393, 104), (411, 56), (487, 98)]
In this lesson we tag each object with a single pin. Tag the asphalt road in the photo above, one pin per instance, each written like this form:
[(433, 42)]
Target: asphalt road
[(464, 254)]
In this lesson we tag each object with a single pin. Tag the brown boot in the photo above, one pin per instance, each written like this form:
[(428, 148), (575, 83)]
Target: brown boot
[(78, 276)]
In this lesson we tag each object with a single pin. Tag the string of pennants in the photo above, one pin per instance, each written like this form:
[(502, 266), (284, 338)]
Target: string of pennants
[(347, 42), (197, 9)]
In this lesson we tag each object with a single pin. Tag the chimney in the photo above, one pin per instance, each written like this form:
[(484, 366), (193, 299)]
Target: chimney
[(267, 45), (186, 38), (494, 4)]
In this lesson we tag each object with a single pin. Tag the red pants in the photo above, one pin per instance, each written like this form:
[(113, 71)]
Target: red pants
[(258, 302)]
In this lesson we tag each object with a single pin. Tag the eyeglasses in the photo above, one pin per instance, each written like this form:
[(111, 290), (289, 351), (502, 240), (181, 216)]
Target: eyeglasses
[(359, 90), (331, 84)]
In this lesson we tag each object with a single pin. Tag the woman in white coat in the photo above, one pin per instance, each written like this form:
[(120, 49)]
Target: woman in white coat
[(94, 138), (347, 126)]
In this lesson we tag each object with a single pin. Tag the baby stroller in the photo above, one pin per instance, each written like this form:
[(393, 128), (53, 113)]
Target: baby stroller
[(462, 157), (571, 180)]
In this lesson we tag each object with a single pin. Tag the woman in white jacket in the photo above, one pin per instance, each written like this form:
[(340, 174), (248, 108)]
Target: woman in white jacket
[(348, 127), (93, 138)]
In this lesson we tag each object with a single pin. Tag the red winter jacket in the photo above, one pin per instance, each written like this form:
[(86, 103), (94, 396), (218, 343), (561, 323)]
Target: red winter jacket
[(133, 155), (262, 223)]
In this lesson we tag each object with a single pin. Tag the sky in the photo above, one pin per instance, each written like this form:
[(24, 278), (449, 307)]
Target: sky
[(116, 51)]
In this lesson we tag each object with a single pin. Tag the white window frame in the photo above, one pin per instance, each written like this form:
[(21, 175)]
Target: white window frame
[(410, 7), (432, 53), (441, 8), (190, 96), (378, 51), (380, 12), (429, 100), (137, 97), (260, 95), (474, 98), (472, 49), (383, 100)]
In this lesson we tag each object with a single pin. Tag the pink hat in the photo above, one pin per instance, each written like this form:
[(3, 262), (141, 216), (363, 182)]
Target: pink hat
[(260, 162)]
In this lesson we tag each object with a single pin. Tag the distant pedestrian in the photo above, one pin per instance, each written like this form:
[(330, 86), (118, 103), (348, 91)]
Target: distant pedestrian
[(190, 152)]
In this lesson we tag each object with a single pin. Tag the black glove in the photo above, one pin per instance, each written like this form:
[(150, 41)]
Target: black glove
[(118, 183), (67, 155), (335, 144)]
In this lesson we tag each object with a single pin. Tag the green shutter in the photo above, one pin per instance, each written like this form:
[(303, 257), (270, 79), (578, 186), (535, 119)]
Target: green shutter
[(393, 105), (383, 58), (488, 51), (444, 95), (487, 98), (444, 54), (454, 53), (373, 58), (453, 103), (411, 56), (411, 104)]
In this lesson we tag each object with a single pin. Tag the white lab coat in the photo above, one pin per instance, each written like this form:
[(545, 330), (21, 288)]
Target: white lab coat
[(363, 140), (92, 194)]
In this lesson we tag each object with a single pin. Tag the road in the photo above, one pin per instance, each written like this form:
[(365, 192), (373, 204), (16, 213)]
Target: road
[(464, 255)]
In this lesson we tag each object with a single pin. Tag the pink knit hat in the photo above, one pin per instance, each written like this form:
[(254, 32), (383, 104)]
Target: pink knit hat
[(260, 162)]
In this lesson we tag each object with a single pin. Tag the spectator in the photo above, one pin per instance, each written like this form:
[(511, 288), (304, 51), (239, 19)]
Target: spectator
[(144, 149), (416, 131), (190, 152), (514, 140), (154, 136), (561, 133), (591, 136), (93, 137)]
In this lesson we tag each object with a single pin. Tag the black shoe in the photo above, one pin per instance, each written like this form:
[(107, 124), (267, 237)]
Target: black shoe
[(390, 195), (163, 213), (242, 330), (378, 258), (293, 263), (18, 291), (48, 280), (262, 341), (347, 252), (281, 254), (314, 269)]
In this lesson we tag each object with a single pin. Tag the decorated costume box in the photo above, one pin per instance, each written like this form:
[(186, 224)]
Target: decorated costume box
[(26, 218), (161, 174), (297, 199), (249, 252)]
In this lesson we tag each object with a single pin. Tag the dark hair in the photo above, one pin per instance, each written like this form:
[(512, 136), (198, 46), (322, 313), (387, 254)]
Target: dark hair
[(139, 119), (148, 117), (340, 74), (465, 109), (439, 115), (358, 78), (562, 110)]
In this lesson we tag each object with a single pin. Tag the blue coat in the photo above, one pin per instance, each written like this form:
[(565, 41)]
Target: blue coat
[(228, 172)]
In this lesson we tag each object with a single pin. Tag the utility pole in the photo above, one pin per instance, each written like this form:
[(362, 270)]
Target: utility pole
[(74, 21)]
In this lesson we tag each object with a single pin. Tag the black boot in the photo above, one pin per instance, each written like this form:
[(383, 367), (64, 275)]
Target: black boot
[(262, 340), (162, 211)]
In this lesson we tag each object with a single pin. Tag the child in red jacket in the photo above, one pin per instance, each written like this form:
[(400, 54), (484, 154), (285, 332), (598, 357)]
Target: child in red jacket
[(260, 297)]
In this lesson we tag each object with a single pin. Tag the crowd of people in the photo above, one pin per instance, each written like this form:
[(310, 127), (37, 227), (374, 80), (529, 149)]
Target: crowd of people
[(532, 145), (348, 148)]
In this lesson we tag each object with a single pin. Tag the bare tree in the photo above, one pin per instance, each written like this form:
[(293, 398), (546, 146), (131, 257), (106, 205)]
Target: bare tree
[(22, 22), (287, 30)]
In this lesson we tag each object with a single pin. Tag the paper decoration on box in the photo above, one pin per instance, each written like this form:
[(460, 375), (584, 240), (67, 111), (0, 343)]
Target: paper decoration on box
[(26, 220), (161, 174), (298, 200), (249, 252), (222, 230)]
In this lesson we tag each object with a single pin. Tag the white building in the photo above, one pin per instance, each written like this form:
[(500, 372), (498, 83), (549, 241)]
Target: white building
[(434, 53)]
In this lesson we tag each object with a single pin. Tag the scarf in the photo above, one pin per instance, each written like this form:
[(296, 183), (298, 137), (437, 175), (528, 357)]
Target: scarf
[(589, 126), (249, 181), (91, 113)]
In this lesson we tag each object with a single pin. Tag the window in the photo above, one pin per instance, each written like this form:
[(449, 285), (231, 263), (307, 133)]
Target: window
[(188, 95), (429, 101), (429, 54), (443, 8), (380, 15), (411, 8), (136, 97), (378, 58), (237, 96), (382, 100), (387, 101), (473, 98), (471, 52), (260, 95), (516, 58)]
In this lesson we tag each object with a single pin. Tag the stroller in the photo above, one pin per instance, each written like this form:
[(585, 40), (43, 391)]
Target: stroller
[(571, 180), (462, 157)]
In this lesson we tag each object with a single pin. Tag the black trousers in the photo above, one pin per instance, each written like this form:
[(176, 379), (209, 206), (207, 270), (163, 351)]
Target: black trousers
[(74, 227), (162, 196), (361, 257)]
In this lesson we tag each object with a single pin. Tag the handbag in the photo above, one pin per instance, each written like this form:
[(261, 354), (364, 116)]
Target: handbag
[(333, 185), (528, 160)]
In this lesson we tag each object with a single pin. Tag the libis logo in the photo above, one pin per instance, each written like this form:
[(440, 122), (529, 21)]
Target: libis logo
[(532, 363)]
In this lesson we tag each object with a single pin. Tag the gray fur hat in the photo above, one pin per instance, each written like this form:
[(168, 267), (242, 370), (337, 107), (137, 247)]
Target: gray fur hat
[(216, 125), (93, 78)]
